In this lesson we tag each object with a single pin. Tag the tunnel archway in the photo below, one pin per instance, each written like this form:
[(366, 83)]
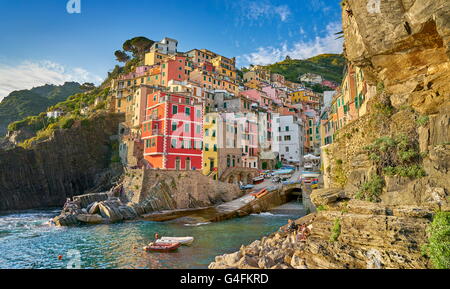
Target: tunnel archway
[(294, 194)]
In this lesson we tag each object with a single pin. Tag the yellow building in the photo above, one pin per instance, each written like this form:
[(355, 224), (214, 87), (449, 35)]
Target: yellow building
[(210, 144), (304, 95), (257, 75), (254, 84), (297, 96), (225, 66), (154, 58)]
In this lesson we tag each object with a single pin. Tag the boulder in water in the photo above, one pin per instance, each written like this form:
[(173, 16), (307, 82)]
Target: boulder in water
[(94, 208), (66, 220), (110, 211), (128, 212), (90, 219)]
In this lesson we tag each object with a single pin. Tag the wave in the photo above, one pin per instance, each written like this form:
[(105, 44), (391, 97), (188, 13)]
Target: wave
[(197, 224), (264, 214), (267, 214)]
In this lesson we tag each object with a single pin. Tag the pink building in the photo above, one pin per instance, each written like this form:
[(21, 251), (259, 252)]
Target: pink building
[(258, 96), (330, 84), (273, 93)]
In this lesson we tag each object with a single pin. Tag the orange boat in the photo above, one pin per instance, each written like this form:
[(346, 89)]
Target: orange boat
[(262, 194), (259, 193), (162, 247)]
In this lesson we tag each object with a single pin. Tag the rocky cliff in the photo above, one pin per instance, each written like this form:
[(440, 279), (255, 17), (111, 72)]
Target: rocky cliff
[(387, 173), (71, 162)]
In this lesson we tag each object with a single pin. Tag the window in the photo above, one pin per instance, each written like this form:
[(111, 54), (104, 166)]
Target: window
[(198, 129), (206, 147), (287, 128), (186, 127), (287, 149), (199, 113), (206, 132), (174, 143), (287, 137), (215, 147), (188, 111), (187, 144), (174, 109)]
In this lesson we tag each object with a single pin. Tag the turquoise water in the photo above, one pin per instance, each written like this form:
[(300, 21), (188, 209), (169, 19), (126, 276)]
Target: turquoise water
[(27, 241)]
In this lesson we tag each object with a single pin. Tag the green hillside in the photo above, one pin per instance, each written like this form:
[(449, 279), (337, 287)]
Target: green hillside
[(329, 66), (20, 104)]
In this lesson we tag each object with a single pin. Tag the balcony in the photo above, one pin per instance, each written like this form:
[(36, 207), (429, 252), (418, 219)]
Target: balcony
[(152, 117)]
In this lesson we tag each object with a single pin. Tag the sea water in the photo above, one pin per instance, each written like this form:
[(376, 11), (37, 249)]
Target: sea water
[(27, 240)]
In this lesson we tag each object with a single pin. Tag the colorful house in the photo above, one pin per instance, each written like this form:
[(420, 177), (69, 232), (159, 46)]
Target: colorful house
[(173, 132)]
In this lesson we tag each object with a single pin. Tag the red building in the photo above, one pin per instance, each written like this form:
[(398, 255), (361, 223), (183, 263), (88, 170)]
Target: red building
[(176, 68), (173, 132)]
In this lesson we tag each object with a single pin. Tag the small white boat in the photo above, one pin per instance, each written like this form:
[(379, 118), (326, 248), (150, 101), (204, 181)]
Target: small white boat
[(182, 240)]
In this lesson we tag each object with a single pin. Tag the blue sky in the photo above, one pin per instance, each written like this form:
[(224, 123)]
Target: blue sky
[(42, 43)]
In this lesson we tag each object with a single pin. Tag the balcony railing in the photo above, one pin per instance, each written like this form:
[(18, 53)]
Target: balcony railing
[(152, 117)]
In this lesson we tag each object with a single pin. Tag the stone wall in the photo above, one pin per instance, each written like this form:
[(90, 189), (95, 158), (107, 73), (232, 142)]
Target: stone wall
[(158, 190)]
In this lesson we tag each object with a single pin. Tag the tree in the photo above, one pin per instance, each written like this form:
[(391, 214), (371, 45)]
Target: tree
[(121, 56), (141, 44), (137, 46), (127, 46)]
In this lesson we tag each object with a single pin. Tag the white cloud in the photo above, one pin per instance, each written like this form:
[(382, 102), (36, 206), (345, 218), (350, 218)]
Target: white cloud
[(256, 10), (299, 50), (31, 74)]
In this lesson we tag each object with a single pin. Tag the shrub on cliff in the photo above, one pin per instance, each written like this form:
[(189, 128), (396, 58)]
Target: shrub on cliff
[(397, 155), (371, 190), (67, 123), (438, 247), (336, 230)]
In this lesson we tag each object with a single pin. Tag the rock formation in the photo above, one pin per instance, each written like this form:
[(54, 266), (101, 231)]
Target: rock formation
[(146, 191), (371, 216), (71, 162)]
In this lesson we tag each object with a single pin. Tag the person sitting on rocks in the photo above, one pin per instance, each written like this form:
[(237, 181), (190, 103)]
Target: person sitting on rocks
[(304, 232), (292, 226)]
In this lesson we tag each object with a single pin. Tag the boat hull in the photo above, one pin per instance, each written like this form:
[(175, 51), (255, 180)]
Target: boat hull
[(182, 240), (163, 248)]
